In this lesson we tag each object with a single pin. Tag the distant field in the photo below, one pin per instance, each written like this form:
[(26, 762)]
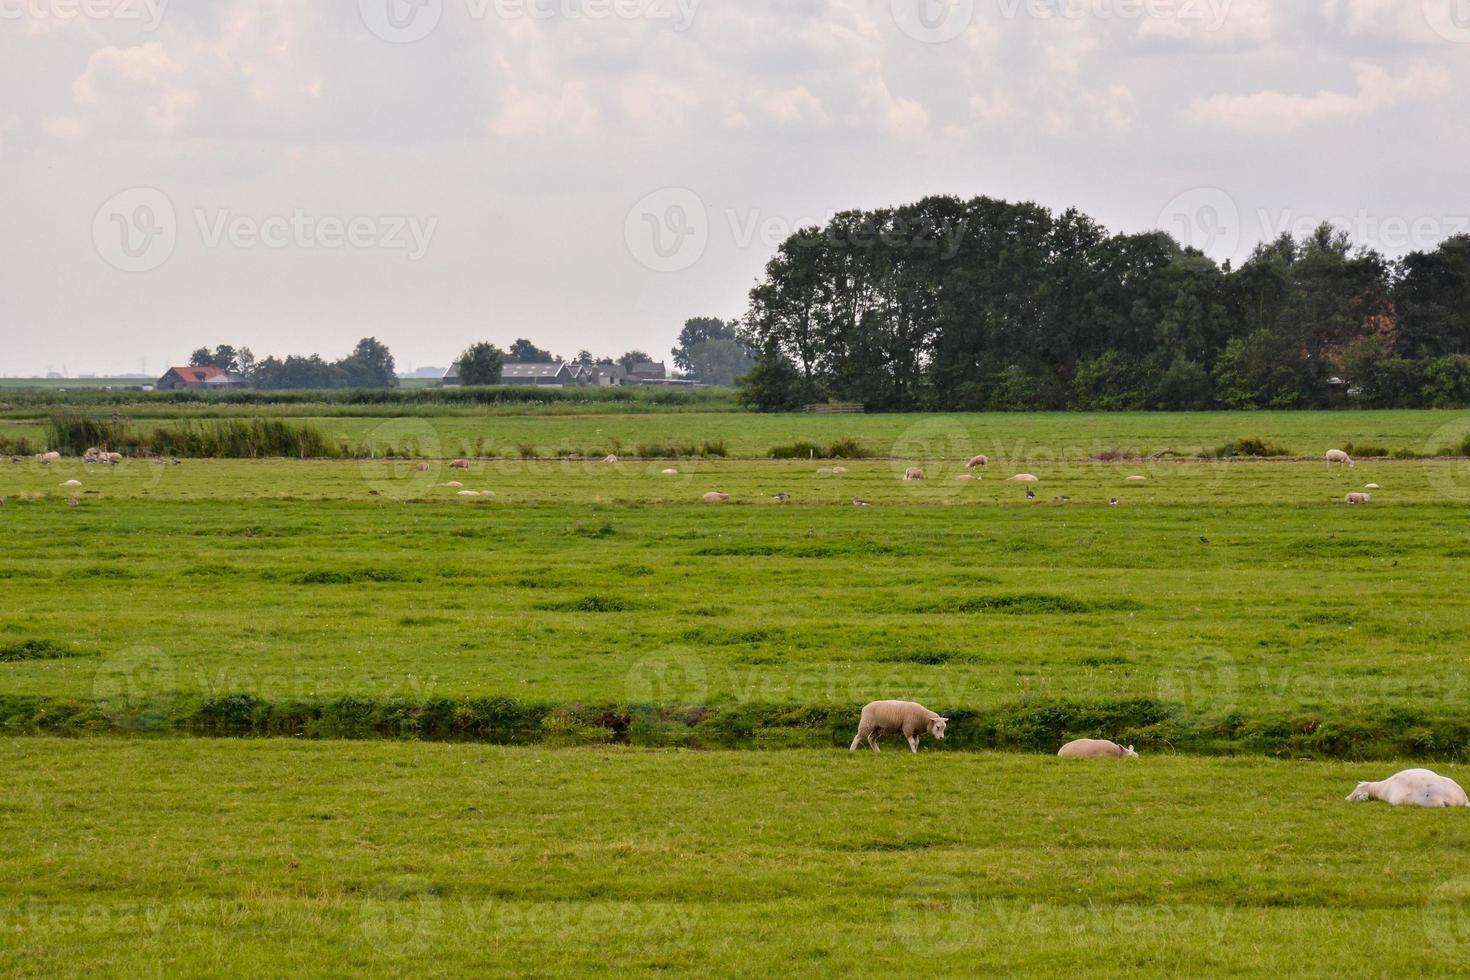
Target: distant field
[(150, 857), (1245, 595), (508, 431)]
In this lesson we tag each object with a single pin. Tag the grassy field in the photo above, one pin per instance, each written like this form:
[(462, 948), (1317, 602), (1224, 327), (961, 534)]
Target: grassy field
[(275, 858), (1265, 646), (550, 431)]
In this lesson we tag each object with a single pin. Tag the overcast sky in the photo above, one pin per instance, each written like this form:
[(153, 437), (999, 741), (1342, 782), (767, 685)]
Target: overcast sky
[(291, 176)]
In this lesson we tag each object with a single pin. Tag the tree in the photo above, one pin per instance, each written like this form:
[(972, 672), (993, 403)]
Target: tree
[(773, 385), (719, 362), (525, 352), (584, 357), (481, 364), (698, 330), (633, 358), (201, 358), (370, 365)]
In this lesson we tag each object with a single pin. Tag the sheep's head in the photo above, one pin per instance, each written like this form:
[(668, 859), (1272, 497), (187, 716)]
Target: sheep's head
[(1363, 792), (936, 727), (1128, 753)]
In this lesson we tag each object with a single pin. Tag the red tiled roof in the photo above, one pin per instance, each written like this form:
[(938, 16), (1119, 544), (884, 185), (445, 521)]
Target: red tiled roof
[(196, 375)]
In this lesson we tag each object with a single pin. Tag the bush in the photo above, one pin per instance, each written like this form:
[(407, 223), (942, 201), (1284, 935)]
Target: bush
[(710, 447), (36, 650), (839, 449), (1366, 452), (1251, 446)]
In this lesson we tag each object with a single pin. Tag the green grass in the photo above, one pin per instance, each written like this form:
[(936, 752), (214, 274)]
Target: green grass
[(272, 858), (552, 430), (1244, 598)]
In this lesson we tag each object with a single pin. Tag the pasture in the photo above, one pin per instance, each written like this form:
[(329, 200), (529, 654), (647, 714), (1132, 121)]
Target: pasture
[(1265, 646)]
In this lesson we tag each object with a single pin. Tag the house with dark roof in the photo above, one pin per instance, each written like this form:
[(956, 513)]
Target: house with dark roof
[(198, 379), (647, 371)]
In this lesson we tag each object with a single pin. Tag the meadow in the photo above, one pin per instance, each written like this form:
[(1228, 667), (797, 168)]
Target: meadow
[(511, 733)]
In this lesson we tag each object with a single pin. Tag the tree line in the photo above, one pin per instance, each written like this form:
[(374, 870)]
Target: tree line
[(370, 365), (990, 305)]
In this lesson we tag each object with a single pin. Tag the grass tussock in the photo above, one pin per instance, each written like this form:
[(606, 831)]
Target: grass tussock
[(38, 650), (847, 448)]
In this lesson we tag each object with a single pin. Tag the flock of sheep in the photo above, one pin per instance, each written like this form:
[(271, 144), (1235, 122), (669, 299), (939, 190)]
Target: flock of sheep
[(1412, 787)]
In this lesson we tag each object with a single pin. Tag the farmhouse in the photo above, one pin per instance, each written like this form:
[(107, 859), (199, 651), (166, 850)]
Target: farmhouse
[(538, 374), (198, 378), (647, 371)]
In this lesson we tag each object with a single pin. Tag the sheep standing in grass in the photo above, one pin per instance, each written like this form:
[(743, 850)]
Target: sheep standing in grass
[(913, 473), (1096, 748), (893, 717), (1412, 787), (977, 461), (1338, 456), (460, 464)]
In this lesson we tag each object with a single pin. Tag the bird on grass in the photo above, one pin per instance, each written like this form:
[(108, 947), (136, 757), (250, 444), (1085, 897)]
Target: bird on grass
[(1030, 494), (1062, 500), (782, 497), (1114, 502), (1203, 539), (811, 532), (860, 503), (73, 502)]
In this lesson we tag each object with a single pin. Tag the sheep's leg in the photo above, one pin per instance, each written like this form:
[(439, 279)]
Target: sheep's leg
[(858, 738), (914, 744), (873, 740)]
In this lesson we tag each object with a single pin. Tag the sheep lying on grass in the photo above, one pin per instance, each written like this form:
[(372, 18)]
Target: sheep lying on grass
[(1357, 498), (1025, 478), (714, 497), (893, 717), (1095, 748), (1412, 787)]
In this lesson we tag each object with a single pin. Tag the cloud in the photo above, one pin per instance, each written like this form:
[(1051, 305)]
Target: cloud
[(1277, 112)]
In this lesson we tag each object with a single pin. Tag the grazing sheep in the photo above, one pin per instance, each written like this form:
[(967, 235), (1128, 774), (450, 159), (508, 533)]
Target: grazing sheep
[(460, 464), (1338, 456), (114, 457), (893, 717), (714, 497), (1095, 748), (1412, 787), (2, 501), (1024, 478), (46, 459), (611, 458), (913, 473), (423, 467), (977, 461), (1357, 498)]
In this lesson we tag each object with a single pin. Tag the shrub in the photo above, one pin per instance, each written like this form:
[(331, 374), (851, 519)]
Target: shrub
[(1365, 452), (1251, 446), (839, 449)]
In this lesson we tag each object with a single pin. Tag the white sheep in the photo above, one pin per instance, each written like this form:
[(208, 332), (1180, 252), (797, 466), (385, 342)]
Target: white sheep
[(1137, 479), (611, 458), (977, 461), (715, 497), (72, 483), (670, 472), (1095, 748), (1025, 478), (913, 473), (460, 464), (1338, 456), (1412, 787), (966, 477), (839, 470), (1357, 498), (893, 717)]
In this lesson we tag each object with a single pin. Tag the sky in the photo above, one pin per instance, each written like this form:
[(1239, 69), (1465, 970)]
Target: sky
[(292, 175)]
